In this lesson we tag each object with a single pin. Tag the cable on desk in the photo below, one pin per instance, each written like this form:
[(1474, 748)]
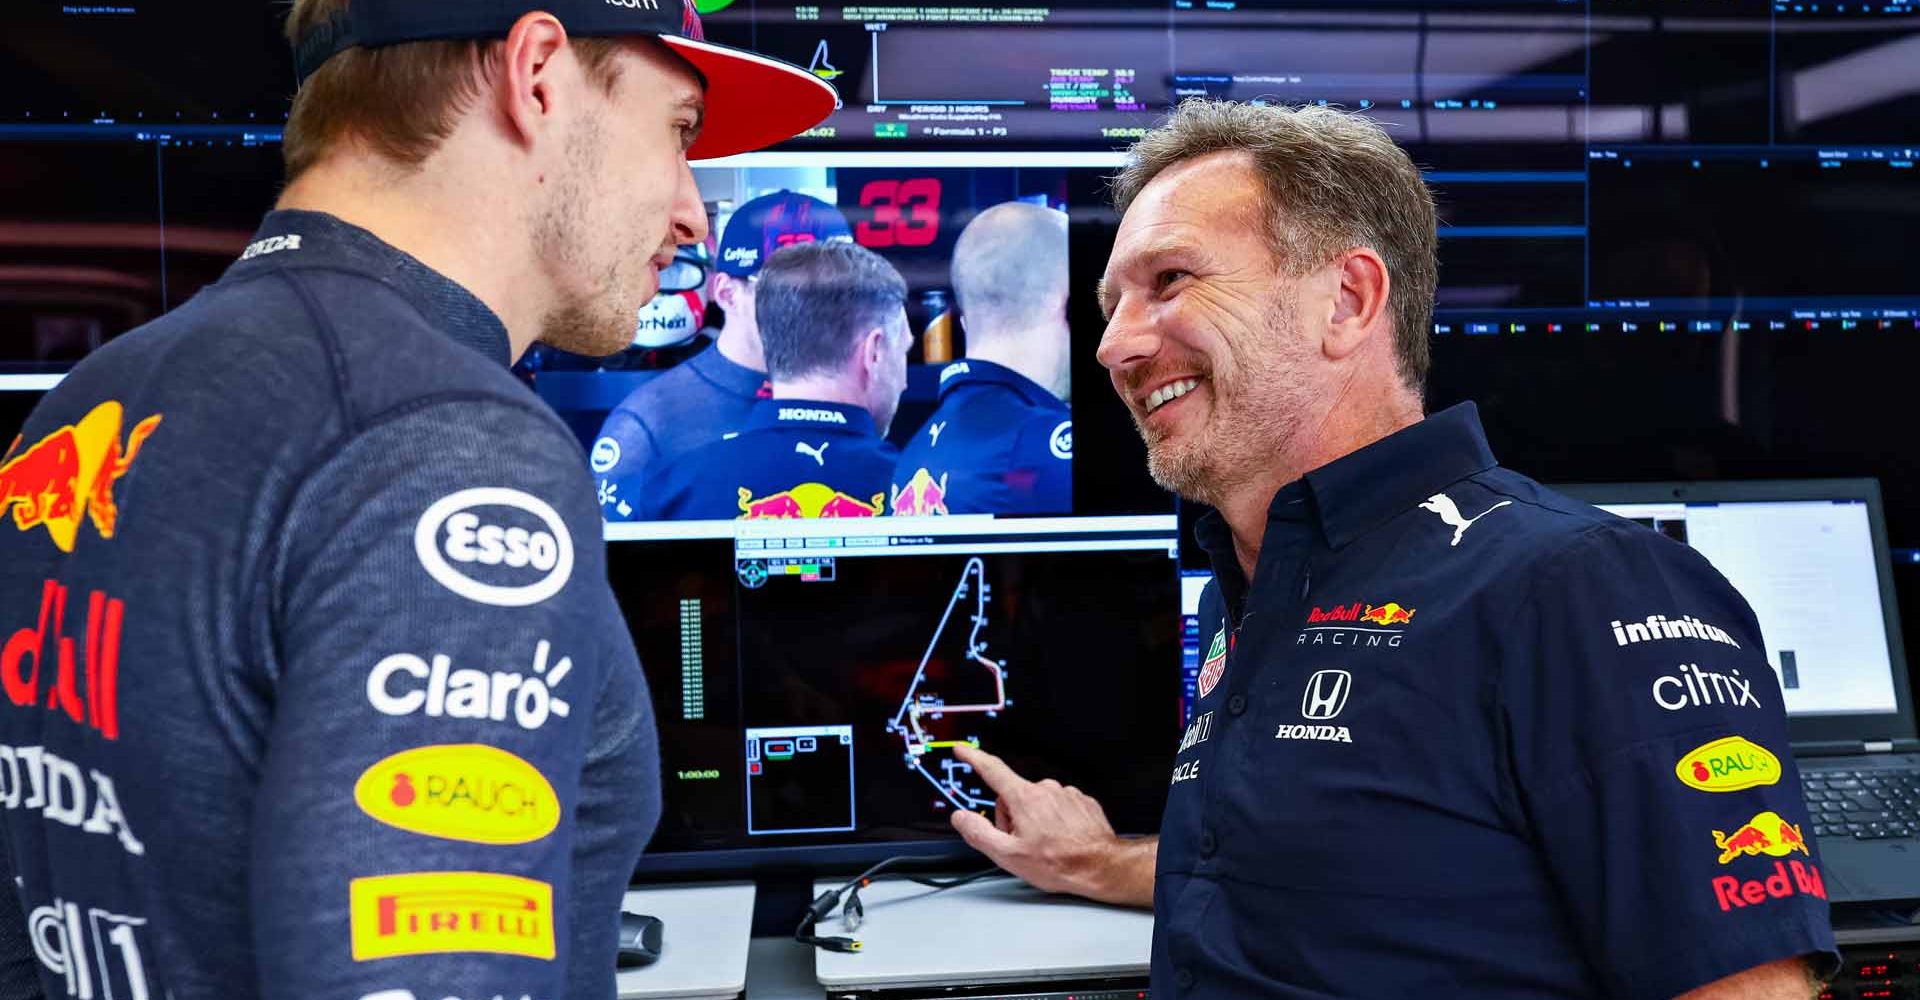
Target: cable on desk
[(855, 913)]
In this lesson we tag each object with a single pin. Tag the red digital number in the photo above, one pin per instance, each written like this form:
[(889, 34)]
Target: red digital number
[(905, 213)]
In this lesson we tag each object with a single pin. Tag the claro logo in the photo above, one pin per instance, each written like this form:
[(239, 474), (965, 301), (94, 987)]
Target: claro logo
[(461, 533)]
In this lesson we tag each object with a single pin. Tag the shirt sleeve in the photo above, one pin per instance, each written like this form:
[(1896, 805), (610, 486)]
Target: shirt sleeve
[(19, 969), (1041, 473), (619, 459), (457, 710), (1649, 748)]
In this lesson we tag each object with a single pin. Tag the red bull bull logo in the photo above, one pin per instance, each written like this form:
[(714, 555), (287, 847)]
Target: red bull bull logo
[(1389, 613), (923, 495), (808, 500), (68, 476), (1766, 833)]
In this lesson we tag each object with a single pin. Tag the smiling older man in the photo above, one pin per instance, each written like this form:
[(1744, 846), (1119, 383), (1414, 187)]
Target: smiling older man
[(1422, 762)]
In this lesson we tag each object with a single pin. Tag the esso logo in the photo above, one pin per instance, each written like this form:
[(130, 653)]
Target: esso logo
[(460, 534), (605, 455), (1060, 442)]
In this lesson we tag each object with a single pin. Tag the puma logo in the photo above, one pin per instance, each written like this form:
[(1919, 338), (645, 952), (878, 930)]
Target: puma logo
[(936, 429), (1449, 512), (817, 454)]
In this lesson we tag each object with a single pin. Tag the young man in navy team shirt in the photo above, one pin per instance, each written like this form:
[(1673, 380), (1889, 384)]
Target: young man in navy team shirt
[(308, 641)]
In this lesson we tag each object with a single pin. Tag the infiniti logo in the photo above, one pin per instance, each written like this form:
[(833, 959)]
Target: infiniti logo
[(1326, 694)]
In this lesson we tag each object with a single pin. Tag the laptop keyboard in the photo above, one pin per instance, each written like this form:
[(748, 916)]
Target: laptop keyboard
[(1881, 804)]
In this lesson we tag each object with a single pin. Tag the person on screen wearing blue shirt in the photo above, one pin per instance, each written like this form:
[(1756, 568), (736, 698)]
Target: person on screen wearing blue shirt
[(710, 394), (1001, 440), (316, 685), (834, 322), (1429, 756)]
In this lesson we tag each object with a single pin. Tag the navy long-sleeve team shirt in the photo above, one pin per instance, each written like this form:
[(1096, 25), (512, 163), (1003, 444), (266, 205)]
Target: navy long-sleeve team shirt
[(315, 685), (793, 458), (1461, 736), (695, 403), (998, 443)]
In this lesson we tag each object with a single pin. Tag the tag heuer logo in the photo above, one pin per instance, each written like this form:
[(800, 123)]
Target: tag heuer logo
[(1215, 665)]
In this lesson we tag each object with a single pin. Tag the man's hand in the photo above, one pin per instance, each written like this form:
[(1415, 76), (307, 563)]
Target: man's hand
[(1056, 838)]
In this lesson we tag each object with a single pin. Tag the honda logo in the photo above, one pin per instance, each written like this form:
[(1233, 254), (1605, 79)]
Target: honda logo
[(1326, 694)]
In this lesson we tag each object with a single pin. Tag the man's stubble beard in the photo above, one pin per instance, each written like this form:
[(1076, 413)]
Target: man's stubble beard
[(597, 322), (1252, 416)]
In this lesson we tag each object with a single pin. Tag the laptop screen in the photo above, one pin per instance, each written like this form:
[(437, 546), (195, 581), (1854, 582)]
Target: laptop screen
[(1808, 569)]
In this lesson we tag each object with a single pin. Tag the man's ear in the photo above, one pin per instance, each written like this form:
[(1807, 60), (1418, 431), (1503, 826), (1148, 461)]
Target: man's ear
[(726, 289), (1359, 301), (873, 350), (525, 84)]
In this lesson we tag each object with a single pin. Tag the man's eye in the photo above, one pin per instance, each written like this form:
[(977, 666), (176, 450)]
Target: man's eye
[(1167, 278)]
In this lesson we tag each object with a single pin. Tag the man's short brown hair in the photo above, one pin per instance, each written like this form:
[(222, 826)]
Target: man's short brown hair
[(1332, 181), (816, 301), (401, 101)]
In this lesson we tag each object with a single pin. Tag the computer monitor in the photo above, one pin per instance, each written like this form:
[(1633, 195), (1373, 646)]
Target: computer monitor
[(1811, 559), (666, 404), (812, 678), (19, 394), (1192, 583), (1596, 172)]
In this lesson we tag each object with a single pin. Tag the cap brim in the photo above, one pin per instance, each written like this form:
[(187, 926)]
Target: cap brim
[(752, 101)]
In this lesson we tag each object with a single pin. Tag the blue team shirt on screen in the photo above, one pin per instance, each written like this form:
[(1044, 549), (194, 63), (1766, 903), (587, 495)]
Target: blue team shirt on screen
[(795, 458), (998, 443), (1461, 736), (694, 403)]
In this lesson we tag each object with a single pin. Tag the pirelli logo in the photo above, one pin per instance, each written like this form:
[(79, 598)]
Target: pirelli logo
[(431, 913)]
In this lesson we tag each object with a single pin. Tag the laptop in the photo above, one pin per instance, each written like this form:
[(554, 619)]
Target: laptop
[(1811, 557)]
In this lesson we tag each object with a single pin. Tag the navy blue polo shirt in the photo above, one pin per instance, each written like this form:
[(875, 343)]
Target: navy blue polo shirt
[(997, 444), (795, 458), (1462, 736), (693, 403), (314, 685)]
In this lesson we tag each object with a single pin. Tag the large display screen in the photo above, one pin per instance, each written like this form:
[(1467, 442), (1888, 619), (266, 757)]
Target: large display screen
[(812, 678)]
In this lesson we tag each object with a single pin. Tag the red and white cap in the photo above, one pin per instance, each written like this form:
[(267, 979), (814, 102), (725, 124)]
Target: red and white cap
[(753, 101)]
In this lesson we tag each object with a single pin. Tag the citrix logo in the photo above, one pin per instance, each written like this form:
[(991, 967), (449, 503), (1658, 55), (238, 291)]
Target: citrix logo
[(470, 694), (1695, 687)]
